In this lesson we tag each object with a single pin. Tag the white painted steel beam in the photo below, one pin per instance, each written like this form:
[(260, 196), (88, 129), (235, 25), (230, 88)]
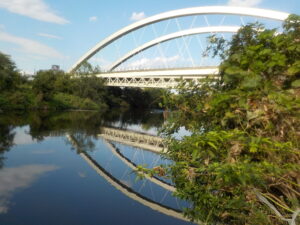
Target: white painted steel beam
[(160, 82), (157, 78), (243, 11), (201, 30), (169, 72)]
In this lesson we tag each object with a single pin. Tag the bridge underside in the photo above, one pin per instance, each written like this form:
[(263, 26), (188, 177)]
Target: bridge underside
[(157, 78)]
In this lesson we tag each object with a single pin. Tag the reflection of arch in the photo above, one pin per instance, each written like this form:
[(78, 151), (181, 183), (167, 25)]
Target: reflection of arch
[(125, 189), (129, 192), (168, 37), (131, 165), (243, 11)]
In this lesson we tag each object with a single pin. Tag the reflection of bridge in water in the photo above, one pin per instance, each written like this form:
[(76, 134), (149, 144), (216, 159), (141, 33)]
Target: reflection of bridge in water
[(132, 138), (122, 187), (135, 139), (133, 166)]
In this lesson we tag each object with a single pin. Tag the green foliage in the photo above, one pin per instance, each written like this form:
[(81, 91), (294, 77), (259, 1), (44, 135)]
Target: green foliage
[(21, 98), (142, 98), (60, 91), (51, 89), (90, 87), (135, 98), (245, 130), (218, 172), (66, 101), (9, 76), (44, 83), (87, 69)]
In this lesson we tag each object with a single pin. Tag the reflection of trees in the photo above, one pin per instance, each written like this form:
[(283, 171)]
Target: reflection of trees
[(83, 141), (57, 124), (152, 120), (146, 119), (83, 124), (7, 124), (6, 140)]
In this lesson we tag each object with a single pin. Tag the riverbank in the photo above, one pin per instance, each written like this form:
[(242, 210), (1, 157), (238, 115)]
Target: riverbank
[(57, 90)]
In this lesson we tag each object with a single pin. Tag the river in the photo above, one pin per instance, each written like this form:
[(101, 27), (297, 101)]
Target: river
[(59, 169)]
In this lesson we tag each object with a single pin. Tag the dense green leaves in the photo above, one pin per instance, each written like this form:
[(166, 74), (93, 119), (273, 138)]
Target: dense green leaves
[(9, 76), (57, 90), (245, 130)]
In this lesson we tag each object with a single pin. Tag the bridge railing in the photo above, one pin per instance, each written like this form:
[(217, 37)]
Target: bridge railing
[(145, 141)]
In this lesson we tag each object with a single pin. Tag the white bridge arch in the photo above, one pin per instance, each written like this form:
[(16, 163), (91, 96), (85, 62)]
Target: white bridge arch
[(170, 37), (157, 78)]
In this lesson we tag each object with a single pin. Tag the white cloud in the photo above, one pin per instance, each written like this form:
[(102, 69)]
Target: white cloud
[(49, 36), (30, 46), (26, 72), (16, 178), (154, 62), (245, 3), (137, 16), (93, 19), (36, 9), (23, 139)]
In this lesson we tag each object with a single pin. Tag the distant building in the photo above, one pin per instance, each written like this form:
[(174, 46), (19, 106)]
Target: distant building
[(55, 67)]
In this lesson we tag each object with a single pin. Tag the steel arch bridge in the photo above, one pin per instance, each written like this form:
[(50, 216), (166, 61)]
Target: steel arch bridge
[(169, 76)]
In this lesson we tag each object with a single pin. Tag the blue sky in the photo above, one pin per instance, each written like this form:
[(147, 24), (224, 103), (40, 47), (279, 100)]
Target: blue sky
[(39, 33)]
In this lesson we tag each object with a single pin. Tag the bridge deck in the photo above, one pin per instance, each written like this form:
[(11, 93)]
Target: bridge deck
[(157, 78)]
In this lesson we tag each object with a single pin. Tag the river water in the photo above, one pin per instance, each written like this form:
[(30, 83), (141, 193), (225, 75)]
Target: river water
[(56, 169)]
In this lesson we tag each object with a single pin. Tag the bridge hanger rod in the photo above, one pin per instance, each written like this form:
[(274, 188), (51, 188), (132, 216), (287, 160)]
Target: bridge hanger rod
[(168, 37), (255, 12)]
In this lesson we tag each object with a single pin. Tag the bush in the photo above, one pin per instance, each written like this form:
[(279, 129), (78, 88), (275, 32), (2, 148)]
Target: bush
[(241, 164), (17, 100), (9, 76), (66, 101)]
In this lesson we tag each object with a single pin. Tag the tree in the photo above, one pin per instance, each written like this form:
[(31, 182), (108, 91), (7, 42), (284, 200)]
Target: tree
[(9, 76), (90, 87), (44, 83), (87, 69), (241, 165)]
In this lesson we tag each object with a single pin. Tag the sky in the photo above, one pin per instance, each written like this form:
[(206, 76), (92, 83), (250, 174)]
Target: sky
[(40, 33)]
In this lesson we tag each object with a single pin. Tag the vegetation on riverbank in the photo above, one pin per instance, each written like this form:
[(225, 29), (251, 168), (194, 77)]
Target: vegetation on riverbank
[(57, 90), (241, 165)]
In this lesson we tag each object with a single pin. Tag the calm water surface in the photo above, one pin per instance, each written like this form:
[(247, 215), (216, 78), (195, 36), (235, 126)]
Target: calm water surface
[(56, 169)]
